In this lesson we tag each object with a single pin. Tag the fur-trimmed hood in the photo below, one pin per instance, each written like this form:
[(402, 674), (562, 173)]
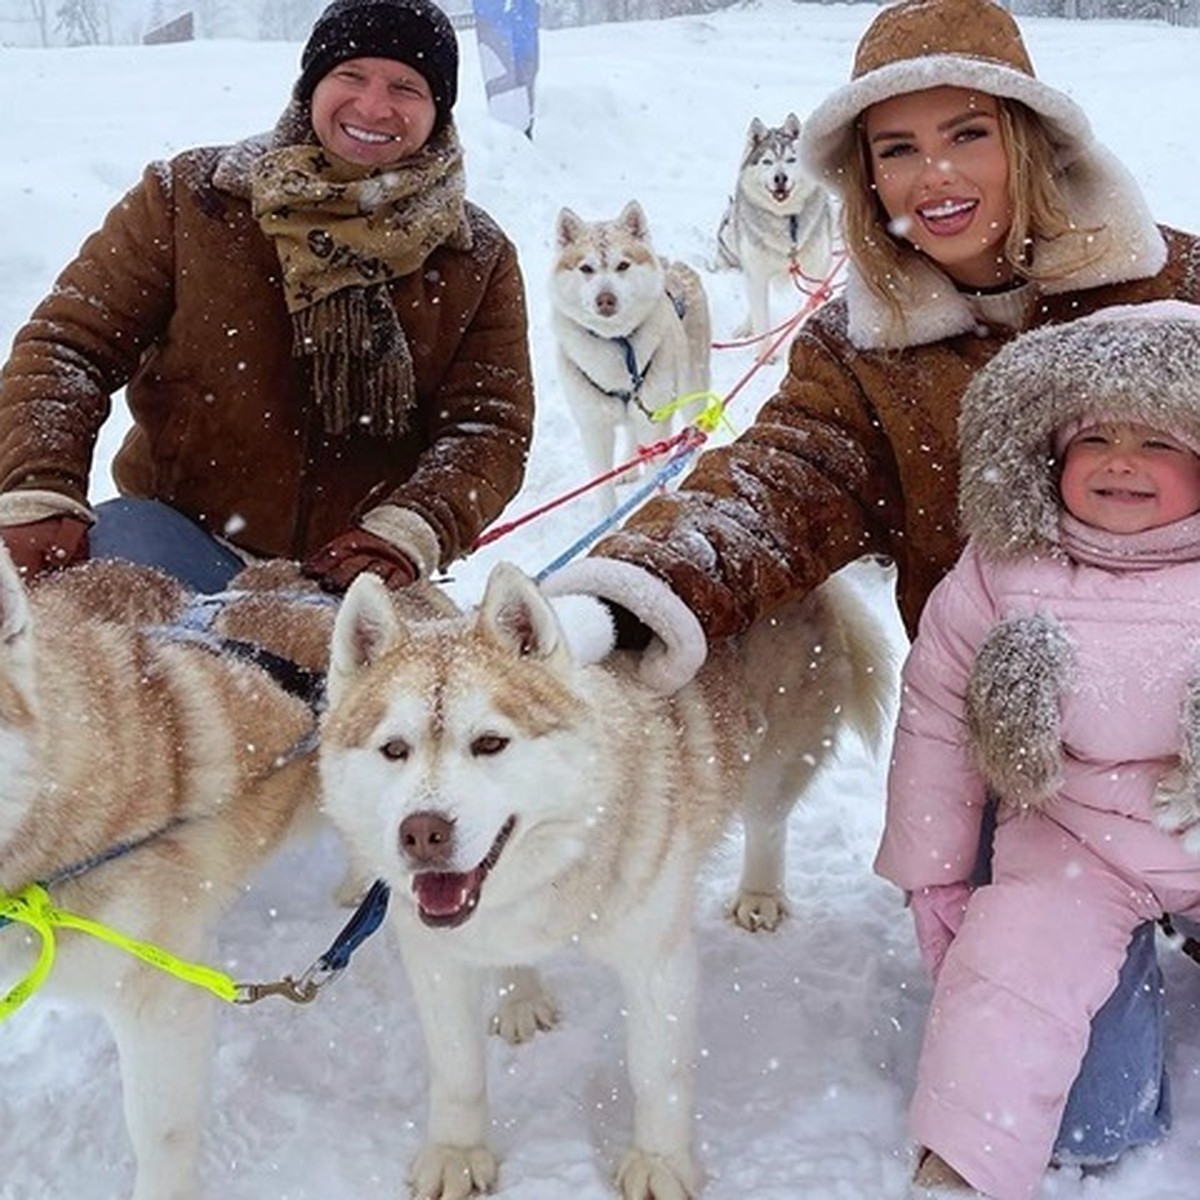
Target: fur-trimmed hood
[(1138, 363), (917, 44)]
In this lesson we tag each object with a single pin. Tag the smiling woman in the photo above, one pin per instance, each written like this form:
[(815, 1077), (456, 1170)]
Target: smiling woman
[(941, 172), (976, 204)]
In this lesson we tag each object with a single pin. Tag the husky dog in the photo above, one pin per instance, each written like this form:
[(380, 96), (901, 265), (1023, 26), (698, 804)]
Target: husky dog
[(778, 222), (518, 800), (145, 775), (633, 334)]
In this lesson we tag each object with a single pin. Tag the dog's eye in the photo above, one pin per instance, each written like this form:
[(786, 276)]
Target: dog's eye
[(586, 269), (395, 750), (623, 265), (488, 744)]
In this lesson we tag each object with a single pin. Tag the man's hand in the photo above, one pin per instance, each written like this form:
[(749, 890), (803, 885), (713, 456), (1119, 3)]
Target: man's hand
[(39, 547), (336, 565)]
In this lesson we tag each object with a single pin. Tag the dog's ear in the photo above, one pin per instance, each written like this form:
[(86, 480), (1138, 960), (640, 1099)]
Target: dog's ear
[(791, 125), (366, 627), (517, 616), (14, 604), (756, 132), (633, 218), (568, 228)]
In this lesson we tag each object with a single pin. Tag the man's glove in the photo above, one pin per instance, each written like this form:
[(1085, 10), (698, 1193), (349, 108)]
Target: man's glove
[(39, 547), (339, 562)]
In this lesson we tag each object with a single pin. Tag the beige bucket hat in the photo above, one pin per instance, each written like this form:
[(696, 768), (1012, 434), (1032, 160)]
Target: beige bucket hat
[(918, 44)]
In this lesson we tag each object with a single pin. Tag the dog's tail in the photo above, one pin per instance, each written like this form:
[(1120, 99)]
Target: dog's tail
[(726, 254), (872, 658)]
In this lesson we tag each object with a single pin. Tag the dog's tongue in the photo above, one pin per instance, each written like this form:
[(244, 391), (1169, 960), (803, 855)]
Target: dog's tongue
[(447, 898)]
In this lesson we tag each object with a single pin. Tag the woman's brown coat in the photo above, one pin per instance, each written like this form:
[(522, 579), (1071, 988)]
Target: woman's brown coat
[(855, 454)]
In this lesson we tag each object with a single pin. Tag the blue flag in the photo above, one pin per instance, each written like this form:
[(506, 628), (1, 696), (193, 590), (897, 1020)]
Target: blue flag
[(507, 31)]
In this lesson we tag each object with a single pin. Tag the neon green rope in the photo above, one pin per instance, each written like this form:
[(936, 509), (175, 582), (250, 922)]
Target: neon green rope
[(32, 906)]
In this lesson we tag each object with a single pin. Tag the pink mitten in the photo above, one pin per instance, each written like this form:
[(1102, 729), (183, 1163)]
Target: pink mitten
[(938, 912)]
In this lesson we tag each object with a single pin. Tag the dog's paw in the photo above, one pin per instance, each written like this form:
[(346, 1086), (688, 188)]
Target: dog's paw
[(442, 1172), (1176, 805), (646, 1176), (758, 912), (526, 1007), (518, 1021)]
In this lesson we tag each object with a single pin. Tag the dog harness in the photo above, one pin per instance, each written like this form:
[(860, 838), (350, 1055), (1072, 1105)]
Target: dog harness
[(33, 907), (637, 378)]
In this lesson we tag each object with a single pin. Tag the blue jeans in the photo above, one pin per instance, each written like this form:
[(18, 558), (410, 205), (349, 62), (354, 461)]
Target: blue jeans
[(154, 534), (1121, 1097)]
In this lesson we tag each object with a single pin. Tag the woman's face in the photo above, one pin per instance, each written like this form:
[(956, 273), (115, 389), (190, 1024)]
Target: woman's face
[(373, 111), (940, 168), (1127, 478)]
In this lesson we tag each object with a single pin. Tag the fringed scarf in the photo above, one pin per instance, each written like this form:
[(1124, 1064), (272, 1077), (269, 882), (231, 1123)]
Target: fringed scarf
[(341, 236)]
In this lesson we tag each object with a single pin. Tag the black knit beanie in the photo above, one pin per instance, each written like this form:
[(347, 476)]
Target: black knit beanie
[(414, 32)]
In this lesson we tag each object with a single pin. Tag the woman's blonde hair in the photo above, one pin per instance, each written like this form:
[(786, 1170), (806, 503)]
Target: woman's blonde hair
[(1039, 212)]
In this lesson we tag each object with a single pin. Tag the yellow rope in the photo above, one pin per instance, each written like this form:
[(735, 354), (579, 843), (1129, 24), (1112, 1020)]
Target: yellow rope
[(32, 906)]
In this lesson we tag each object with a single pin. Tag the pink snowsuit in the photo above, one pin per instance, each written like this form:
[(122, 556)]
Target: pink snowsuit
[(1040, 948)]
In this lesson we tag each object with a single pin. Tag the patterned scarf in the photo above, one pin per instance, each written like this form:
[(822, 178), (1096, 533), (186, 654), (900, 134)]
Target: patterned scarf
[(341, 236)]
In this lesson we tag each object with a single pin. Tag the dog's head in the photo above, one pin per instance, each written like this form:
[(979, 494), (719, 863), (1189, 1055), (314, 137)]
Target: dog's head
[(606, 276), (771, 162), (454, 750), (19, 705)]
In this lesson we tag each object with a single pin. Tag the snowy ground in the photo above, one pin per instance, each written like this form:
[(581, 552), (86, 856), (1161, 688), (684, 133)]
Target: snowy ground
[(810, 1035)]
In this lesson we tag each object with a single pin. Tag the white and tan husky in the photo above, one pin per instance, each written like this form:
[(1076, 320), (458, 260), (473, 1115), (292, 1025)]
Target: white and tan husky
[(633, 335), (125, 733), (778, 223), (518, 801)]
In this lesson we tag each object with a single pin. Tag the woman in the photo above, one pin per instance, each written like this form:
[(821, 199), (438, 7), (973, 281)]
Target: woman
[(323, 344), (976, 204)]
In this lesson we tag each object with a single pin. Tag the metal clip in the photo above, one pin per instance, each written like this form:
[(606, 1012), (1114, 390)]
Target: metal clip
[(299, 991), (302, 991)]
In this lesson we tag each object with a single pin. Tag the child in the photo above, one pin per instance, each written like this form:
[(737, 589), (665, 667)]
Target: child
[(1057, 667)]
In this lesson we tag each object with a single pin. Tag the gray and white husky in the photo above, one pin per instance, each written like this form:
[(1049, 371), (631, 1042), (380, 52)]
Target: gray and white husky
[(778, 223)]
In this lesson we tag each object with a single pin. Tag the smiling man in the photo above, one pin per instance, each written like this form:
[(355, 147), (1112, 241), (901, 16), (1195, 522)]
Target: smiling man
[(323, 343)]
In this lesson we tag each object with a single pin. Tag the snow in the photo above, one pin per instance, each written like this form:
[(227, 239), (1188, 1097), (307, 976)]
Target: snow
[(809, 1036)]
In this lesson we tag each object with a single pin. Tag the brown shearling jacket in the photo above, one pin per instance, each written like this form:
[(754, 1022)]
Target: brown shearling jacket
[(855, 454), (177, 298)]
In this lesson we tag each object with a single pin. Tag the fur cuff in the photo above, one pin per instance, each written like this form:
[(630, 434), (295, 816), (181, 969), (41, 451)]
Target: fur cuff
[(31, 504), (1022, 668), (408, 532), (679, 647), (587, 625)]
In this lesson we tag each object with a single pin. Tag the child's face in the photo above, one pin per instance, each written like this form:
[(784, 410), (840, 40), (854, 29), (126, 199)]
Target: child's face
[(1127, 478)]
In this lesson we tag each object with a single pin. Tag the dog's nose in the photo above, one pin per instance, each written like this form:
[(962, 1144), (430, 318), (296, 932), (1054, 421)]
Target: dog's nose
[(606, 303), (427, 838)]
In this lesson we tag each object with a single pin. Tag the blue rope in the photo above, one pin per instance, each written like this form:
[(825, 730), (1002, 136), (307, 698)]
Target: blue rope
[(367, 918), (670, 469)]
